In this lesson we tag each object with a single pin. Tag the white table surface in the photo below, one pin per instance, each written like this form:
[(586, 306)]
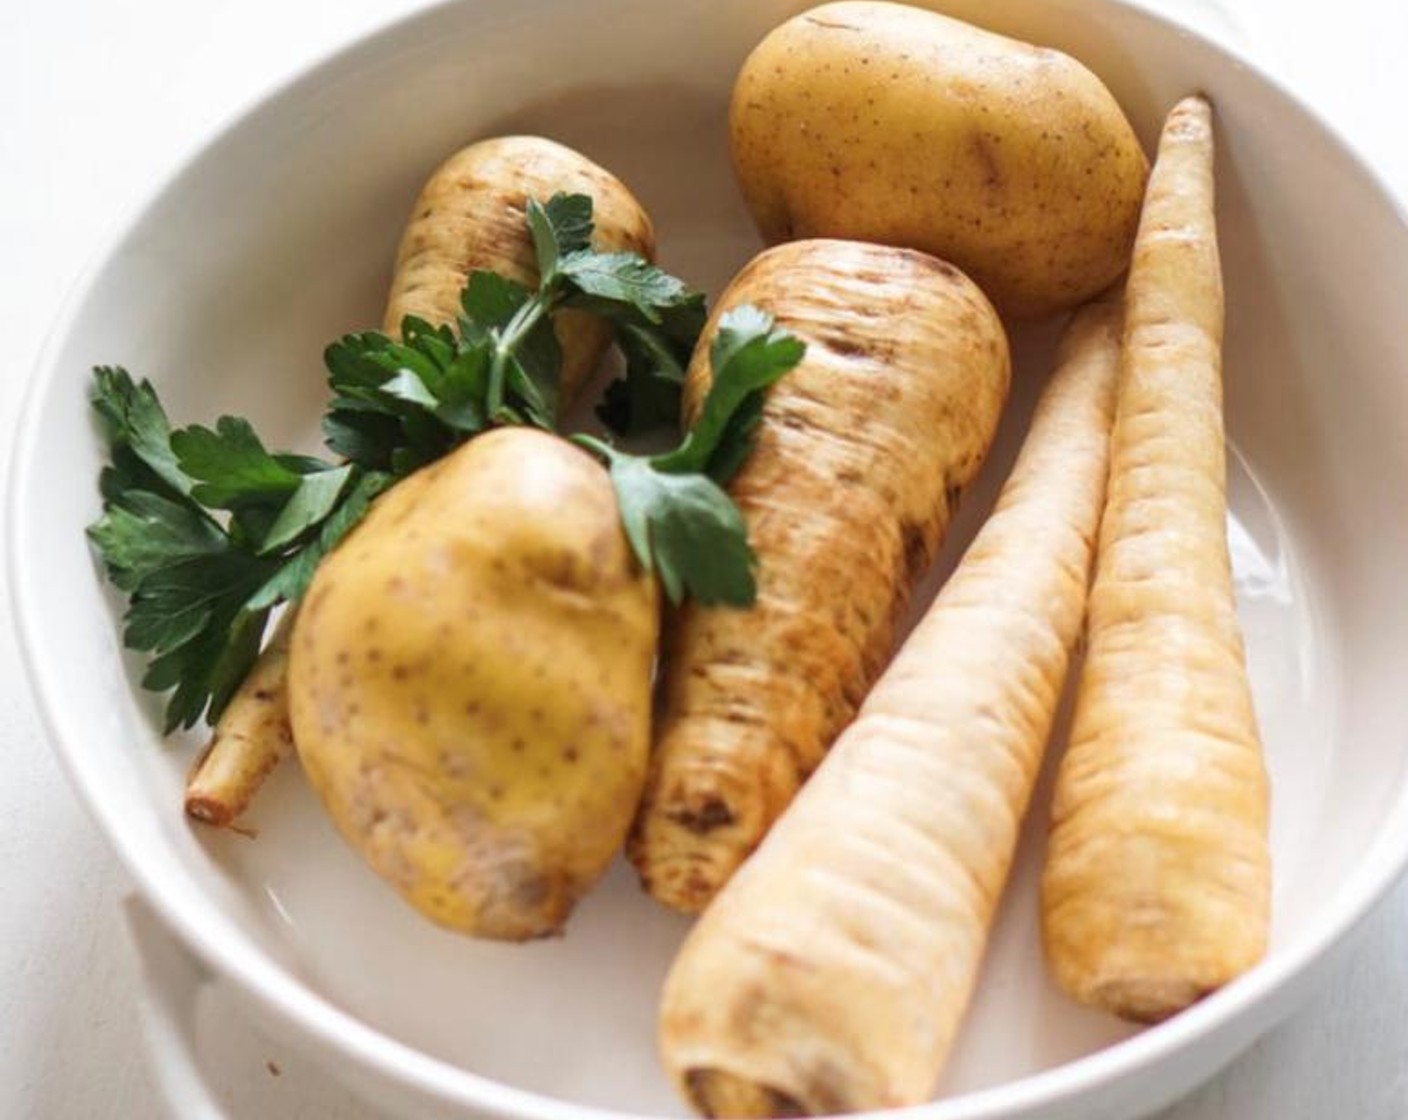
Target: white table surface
[(98, 100)]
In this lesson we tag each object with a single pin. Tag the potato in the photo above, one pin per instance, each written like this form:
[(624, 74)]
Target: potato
[(470, 684), (881, 122)]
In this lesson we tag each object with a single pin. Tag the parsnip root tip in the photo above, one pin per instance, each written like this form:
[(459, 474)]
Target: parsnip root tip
[(1146, 1001), (208, 811), (718, 1093)]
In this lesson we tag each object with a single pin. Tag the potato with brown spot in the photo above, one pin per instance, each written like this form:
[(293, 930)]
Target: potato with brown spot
[(861, 452), (883, 122), (484, 745)]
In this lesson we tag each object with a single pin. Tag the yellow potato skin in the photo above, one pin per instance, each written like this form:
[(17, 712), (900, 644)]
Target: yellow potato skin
[(470, 684), (881, 122)]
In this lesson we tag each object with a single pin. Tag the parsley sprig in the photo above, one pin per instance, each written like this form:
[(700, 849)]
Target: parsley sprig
[(398, 405), (679, 520), (207, 531)]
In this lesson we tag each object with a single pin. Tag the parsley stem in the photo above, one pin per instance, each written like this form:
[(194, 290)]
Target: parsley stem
[(506, 342), (600, 448)]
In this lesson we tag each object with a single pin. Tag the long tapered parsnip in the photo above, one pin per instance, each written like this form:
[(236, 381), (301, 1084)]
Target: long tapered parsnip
[(861, 452), (831, 973), (469, 216), (1157, 883)]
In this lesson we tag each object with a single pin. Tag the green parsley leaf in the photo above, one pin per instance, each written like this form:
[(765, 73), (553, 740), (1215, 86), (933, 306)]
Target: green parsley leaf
[(561, 227), (686, 529), (292, 579), (748, 353), (309, 505), (137, 423), (736, 444), (679, 520), (230, 465), (648, 397), (489, 301), (460, 404), (570, 216), (437, 342), (206, 672), (185, 614), (361, 434), (399, 405), (407, 386), (623, 278), (143, 532), (175, 603), (205, 533)]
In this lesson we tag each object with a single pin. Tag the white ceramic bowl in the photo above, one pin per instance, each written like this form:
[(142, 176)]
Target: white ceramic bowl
[(277, 237)]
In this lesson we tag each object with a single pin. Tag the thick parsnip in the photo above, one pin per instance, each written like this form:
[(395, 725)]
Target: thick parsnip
[(831, 973), (1157, 883), (862, 451), (469, 216)]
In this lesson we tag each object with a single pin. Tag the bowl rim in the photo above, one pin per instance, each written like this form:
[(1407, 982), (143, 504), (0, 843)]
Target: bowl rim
[(229, 953)]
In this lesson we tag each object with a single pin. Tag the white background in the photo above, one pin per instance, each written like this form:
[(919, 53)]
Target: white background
[(98, 100)]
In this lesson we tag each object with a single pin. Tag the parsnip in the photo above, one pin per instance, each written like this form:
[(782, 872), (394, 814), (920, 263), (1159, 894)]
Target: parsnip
[(862, 450), (1157, 883), (251, 737), (469, 216), (831, 973)]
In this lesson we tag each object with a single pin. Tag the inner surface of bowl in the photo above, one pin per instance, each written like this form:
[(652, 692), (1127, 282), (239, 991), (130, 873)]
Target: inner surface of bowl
[(280, 237)]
